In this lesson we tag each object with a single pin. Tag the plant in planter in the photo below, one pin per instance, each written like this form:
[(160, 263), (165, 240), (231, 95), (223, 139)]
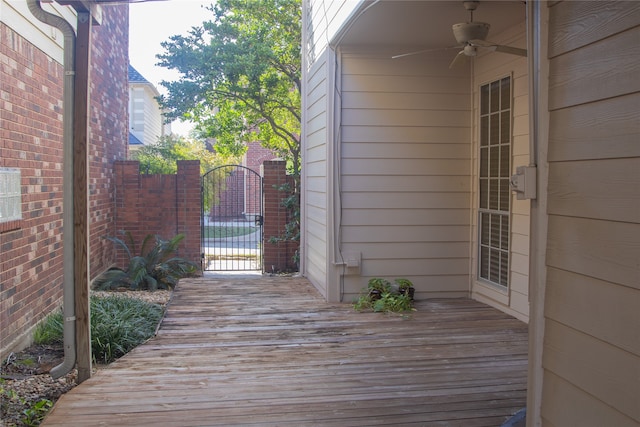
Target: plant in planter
[(390, 302), (154, 268), (377, 286), (405, 287), (381, 296)]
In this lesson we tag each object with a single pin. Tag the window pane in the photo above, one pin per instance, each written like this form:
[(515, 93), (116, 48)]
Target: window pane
[(494, 104), (484, 263), (495, 230), (504, 238), (505, 194), (484, 162), (484, 194), (494, 129), (484, 236), (484, 130), (484, 99), (494, 266), (505, 157), (494, 161), (493, 194), (505, 93), (504, 269), (505, 127)]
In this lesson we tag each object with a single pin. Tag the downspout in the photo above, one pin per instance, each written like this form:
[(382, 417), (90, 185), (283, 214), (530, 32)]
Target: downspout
[(67, 125)]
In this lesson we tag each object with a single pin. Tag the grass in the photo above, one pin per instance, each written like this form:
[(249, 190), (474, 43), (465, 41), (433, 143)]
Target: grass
[(118, 324), (217, 231)]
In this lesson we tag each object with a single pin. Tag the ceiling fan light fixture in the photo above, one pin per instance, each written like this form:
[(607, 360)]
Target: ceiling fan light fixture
[(465, 31), (470, 50)]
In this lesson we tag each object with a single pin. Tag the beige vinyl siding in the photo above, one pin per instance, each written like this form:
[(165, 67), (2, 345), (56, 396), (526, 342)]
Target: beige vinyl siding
[(404, 172), (145, 120), (322, 21), (488, 67), (325, 19), (315, 180), (591, 354), (17, 16), (152, 117)]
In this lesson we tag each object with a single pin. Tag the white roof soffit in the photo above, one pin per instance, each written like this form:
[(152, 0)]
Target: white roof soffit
[(411, 24)]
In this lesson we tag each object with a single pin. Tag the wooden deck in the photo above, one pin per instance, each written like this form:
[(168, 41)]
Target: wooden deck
[(271, 352)]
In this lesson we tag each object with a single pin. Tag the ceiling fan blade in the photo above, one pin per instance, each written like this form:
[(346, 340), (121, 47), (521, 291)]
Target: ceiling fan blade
[(417, 52), (499, 48), (458, 59), (511, 50)]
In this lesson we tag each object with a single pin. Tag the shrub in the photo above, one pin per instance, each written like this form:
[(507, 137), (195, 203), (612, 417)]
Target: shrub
[(118, 324), (154, 268)]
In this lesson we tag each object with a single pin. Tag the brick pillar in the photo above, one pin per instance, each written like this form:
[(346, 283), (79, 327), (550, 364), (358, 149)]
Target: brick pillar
[(189, 203), (277, 256), (127, 173)]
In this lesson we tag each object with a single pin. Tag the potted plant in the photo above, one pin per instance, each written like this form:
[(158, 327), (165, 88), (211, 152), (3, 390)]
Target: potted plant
[(405, 287), (377, 287)]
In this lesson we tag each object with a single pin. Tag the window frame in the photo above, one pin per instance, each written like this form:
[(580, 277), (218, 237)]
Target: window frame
[(504, 236), (11, 177)]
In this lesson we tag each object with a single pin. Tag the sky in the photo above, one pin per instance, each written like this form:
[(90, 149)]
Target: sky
[(151, 23)]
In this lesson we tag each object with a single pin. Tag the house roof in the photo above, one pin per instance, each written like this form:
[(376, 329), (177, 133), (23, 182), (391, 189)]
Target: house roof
[(137, 79), (135, 76), (133, 140)]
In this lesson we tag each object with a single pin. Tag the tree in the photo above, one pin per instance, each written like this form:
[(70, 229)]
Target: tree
[(240, 76), (162, 156)]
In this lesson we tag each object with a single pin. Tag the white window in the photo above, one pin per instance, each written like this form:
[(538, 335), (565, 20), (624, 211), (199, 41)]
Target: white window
[(10, 196), (495, 168)]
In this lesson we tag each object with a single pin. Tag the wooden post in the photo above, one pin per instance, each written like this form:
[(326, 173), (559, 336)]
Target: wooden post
[(80, 196)]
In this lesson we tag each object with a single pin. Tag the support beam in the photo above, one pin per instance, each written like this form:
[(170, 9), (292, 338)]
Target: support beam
[(80, 195), (88, 6)]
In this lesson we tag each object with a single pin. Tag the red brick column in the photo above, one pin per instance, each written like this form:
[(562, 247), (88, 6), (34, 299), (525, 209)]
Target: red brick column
[(126, 204), (189, 204), (277, 257)]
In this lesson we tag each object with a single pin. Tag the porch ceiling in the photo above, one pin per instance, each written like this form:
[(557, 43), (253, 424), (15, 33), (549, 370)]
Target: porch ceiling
[(397, 24)]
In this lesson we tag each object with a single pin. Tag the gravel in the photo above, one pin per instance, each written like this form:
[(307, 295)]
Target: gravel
[(25, 378)]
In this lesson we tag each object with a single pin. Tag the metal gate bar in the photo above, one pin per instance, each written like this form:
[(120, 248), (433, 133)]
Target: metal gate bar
[(231, 219)]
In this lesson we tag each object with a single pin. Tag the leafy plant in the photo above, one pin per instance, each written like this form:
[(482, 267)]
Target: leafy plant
[(34, 415), (381, 296), (6, 395), (403, 284), (118, 324), (154, 268), (378, 284), (50, 330), (389, 302)]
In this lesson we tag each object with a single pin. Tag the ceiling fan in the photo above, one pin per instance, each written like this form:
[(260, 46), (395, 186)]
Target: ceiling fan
[(471, 36)]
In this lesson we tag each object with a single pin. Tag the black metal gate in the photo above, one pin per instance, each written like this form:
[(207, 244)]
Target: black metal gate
[(231, 219)]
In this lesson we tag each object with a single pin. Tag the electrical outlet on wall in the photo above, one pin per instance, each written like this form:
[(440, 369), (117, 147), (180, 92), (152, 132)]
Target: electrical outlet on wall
[(352, 261)]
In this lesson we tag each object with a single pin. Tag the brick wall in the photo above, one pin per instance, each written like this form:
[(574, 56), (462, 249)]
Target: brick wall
[(165, 205), (277, 256), (31, 85), (109, 128), (31, 135), (256, 154)]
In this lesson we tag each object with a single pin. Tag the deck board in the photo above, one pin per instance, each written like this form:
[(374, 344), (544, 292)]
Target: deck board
[(268, 351)]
